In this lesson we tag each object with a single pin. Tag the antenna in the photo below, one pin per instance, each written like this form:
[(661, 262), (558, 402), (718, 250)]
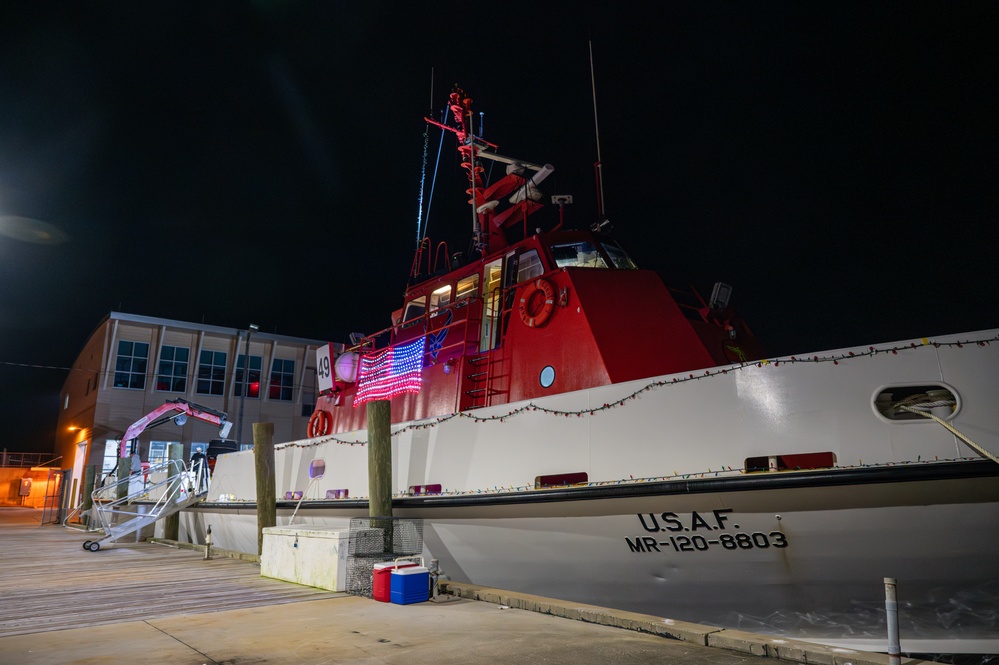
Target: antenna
[(423, 169), (596, 125)]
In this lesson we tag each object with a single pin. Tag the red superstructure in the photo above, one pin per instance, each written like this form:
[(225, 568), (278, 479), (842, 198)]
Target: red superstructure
[(532, 314)]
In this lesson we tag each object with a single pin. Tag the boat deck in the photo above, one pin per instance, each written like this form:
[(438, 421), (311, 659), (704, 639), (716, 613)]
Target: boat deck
[(144, 602)]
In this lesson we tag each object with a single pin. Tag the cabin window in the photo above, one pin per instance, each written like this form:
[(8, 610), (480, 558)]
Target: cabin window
[(618, 257), (415, 309), (440, 298), (893, 402), (578, 255), (529, 266), (467, 288)]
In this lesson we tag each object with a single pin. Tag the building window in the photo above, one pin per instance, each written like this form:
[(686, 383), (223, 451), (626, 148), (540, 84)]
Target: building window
[(211, 373), (253, 387), (158, 451), (130, 367), (110, 456), (172, 374), (282, 379)]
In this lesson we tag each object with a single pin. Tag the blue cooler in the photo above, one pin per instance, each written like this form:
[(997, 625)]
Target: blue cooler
[(410, 585)]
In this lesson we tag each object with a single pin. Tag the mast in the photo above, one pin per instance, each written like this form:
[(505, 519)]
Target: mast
[(491, 228)]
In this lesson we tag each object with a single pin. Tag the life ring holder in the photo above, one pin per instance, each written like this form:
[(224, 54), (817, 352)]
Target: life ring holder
[(527, 302), (320, 423)]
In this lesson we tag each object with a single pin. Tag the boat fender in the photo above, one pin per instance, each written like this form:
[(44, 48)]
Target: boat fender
[(320, 423), (528, 300)]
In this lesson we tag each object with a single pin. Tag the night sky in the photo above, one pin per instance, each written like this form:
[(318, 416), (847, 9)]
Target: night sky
[(260, 162)]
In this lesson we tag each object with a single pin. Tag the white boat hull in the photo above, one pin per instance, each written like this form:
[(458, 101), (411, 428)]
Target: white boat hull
[(799, 554)]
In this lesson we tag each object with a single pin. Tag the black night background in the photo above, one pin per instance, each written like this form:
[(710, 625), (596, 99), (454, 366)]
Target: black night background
[(237, 162)]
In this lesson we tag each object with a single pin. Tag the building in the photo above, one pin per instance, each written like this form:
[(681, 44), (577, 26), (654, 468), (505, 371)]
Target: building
[(132, 364)]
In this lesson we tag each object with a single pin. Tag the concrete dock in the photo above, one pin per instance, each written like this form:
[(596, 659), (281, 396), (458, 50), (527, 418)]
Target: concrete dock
[(152, 603)]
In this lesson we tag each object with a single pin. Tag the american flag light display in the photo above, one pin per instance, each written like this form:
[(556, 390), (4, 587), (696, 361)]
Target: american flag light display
[(390, 372)]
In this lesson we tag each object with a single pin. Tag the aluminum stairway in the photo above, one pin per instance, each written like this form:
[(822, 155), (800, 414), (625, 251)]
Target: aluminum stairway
[(141, 499)]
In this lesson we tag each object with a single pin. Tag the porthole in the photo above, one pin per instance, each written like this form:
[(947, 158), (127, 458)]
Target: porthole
[(547, 376), (909, 402)]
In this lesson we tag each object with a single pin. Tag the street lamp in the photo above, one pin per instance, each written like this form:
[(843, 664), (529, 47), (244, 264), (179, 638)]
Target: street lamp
[(246, 379)]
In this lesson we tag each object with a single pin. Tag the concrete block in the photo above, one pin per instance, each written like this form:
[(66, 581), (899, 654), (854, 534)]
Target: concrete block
[(679, 630), (848, 657), (739, 640)]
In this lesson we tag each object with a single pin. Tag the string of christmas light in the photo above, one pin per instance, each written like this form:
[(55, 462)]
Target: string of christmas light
[(655, 385), (700, 475)]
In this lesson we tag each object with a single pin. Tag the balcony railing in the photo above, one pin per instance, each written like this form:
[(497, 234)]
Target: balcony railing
[(27, 460)]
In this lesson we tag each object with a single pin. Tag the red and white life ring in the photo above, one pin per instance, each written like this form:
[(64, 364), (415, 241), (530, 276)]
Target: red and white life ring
[(537, 302), (320, 423)]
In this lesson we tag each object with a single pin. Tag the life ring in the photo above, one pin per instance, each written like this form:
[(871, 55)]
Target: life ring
[(531, 314), (320, 423)]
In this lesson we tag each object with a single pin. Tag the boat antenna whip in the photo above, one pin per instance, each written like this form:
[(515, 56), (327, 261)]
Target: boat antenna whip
[(598, 167), (423, 168)]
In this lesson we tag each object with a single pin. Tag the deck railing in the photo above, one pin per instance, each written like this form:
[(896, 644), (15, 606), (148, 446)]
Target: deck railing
[(27, 460)]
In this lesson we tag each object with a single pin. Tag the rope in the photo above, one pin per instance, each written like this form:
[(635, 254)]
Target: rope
[(927, 405)]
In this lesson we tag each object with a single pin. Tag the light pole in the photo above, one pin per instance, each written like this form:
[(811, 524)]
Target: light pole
[(246, 380)]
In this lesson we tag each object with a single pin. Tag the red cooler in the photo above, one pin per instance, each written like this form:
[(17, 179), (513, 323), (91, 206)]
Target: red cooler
[(381, 579)]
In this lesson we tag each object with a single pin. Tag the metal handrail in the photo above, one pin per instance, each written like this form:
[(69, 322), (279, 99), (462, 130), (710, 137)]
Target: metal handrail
[(178, 484), (22, 460)]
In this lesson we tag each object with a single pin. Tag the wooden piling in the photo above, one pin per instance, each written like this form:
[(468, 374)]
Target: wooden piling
[(124, 471), (379, 459), (263, 459), (171, 523)]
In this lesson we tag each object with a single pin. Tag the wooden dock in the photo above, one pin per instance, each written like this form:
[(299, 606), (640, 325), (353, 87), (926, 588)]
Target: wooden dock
[(49, 582)]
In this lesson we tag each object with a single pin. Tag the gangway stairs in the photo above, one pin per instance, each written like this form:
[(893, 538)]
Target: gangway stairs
[(136, 501)]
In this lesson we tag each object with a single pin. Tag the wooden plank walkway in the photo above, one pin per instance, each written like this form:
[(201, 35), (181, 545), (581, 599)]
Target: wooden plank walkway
[(49, 582)]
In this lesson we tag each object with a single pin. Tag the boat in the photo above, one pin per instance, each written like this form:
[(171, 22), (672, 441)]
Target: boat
[(567, 425)]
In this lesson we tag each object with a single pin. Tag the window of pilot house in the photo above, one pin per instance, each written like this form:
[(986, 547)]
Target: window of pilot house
[(529, 266), (440, 297), (578, 255), (467, 288), (617, 256), (415, 309), (130, 365), (915, 403)]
